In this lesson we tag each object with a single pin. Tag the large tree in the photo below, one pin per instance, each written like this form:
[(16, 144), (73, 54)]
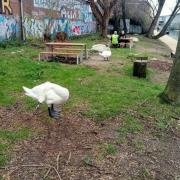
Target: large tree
[(155, 20), (171, 93), (171, 18), (124, 15), (102, 10)]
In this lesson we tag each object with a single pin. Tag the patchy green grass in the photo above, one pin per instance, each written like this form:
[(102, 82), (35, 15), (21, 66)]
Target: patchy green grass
[(7, 139), (106, 149), (129, 125), (13, 136), (88, 160), (105, 94), (139, 145)]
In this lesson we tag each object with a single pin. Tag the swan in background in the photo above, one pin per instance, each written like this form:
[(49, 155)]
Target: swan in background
[(50, 94), (106, 54), (103, 50), (98, 47)]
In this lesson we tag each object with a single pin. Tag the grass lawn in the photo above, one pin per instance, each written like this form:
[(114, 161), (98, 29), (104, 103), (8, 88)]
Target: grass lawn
[(100, 94)]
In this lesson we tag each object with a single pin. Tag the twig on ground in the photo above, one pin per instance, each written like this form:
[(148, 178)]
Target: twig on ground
[(10, 172), (57, 172), (174, 117), (47, 173), (44, 165), (36, 165), (57, 161), (69, 159)]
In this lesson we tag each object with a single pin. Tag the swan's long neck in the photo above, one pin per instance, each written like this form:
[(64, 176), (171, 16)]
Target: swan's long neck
[(30, 93)]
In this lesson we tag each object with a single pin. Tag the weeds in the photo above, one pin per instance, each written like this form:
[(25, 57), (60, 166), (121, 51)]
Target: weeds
[(130, 125), (7, 139), (107, 149)]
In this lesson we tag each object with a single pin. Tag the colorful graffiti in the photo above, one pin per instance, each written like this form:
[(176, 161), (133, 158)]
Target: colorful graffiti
[(75, 18), (36, 28), (9, 27)]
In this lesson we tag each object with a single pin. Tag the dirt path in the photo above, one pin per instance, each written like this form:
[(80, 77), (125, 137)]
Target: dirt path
[(170, 42), (80, 147)]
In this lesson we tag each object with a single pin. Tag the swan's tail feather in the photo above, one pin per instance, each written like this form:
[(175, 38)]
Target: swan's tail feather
[(30, 93)]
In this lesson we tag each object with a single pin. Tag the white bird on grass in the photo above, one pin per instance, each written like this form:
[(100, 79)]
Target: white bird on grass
[(50, 94), (106, 54), (99, 47)]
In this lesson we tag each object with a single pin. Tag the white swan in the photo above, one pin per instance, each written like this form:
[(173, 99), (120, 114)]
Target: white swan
[(50, 94), (98, 47), (106, 54)]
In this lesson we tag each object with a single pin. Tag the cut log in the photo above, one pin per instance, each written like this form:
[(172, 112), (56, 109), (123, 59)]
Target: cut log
[(141, 58), (140, 68)]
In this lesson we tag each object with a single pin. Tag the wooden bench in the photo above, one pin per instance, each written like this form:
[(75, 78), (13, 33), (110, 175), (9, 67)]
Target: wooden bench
[(54, 45), (69, 50), (78, 56)]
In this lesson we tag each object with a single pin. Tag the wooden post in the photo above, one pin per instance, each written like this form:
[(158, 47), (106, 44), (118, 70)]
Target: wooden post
[(77, 60), (140, 68), (86, 54)]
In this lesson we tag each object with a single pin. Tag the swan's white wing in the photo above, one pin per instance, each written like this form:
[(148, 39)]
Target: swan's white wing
[(105, 54), (53, 98), (98, 47), (62, 92)]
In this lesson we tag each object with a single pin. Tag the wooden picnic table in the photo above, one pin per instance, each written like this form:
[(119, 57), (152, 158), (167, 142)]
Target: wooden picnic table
[(127, 41), (53, 45)]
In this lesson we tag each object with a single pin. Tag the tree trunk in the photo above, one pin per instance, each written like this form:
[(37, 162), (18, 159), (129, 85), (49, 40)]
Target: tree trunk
[(124, 15), (102, 11), (173, 15), (171, 93), (117, 23), (155, 20), (104, 25)]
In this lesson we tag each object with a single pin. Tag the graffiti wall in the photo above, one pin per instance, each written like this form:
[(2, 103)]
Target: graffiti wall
[(71, 16), (8, 23), (9, 27), (74, 18)]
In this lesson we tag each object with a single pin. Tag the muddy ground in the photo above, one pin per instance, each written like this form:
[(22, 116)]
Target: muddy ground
[(71, 148)]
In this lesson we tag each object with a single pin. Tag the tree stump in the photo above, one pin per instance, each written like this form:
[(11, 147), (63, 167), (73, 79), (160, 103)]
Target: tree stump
[(140, 68)]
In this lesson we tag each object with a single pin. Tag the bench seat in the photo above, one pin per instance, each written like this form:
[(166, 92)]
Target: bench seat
[(77, 55)]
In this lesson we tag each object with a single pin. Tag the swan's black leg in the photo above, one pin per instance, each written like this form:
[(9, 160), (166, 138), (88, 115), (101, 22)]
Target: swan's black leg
[(53, 113), (49, 111), (52, 107)]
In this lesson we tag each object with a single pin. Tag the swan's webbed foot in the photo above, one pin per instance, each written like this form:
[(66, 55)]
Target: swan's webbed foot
[(53, 113)]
